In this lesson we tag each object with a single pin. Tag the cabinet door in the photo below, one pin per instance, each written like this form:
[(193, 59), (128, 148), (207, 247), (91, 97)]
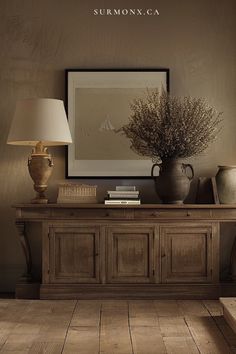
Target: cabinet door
[(73, 254), (186, 254), (130, 254)]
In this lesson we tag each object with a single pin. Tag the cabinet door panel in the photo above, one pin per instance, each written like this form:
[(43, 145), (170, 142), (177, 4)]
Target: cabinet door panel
[(74, 255), (130, 255), (186, 254)]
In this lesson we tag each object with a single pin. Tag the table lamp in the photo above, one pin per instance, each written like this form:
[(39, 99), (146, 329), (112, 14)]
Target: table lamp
[(39, 122)]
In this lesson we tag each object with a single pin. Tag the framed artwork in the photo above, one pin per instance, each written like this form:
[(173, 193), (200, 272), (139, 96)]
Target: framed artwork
[(98, 104)]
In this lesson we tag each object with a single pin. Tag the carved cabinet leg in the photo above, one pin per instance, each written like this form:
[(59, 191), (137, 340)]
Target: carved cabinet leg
[(27, 276)]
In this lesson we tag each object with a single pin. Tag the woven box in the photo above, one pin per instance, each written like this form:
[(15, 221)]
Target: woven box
[(77, 193)]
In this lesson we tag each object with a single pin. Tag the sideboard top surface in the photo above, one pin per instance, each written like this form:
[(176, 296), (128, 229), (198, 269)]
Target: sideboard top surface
[(207, 212), (141, 206)]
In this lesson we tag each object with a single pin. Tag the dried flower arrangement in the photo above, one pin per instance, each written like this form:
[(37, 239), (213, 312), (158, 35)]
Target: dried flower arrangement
[(162, 126)]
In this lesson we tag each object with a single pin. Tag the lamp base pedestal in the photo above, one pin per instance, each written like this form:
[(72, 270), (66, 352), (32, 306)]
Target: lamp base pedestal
[(39, 201), (40, 168)]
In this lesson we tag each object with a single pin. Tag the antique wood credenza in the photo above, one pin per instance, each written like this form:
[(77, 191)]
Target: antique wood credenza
[(145, 251)]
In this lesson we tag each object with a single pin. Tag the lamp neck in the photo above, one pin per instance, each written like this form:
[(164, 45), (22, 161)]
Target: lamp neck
[(40, 149)]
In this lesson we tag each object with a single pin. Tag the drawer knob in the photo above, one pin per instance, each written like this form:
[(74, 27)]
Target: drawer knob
[(154, 214), (188, 213), (107, 214)]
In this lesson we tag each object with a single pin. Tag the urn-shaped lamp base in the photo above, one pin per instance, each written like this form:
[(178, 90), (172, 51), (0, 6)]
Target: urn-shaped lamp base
[(40, 167)]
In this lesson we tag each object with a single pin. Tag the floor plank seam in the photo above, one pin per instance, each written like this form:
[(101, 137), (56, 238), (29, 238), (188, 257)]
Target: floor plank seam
[(130, 334), (68, 327), (2, 345), (189, 329), (190, 332)]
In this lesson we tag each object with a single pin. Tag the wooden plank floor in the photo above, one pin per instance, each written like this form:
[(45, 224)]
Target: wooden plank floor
[(114, 327)]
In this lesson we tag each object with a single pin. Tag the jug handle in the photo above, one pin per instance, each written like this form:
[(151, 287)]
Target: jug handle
[(153, 167), (186, 165)]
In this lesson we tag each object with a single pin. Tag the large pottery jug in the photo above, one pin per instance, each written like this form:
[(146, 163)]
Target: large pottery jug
[(173, 183)]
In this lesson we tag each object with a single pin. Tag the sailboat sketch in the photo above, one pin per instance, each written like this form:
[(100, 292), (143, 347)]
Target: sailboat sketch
[(106, 125)]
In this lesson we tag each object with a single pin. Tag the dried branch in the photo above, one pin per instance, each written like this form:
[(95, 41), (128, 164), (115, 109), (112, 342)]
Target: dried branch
[(162, 126)]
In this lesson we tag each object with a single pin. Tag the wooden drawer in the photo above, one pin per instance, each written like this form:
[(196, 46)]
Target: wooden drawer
[(88, 213), (224, 214), (171, 214), (36, 213)]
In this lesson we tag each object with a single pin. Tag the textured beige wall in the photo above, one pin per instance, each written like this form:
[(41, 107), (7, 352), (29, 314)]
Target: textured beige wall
[(39, 39)]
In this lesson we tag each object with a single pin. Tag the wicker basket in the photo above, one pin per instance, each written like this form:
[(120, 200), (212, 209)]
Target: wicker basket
[(76, 193)]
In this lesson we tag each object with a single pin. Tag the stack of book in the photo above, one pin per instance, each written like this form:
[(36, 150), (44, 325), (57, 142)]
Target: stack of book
[(126, 195)]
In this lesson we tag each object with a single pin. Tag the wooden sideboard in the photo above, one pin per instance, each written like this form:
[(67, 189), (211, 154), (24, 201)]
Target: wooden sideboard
[(145, 251)]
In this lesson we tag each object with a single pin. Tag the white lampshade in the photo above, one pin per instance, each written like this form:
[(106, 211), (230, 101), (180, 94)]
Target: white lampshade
[(40, 119)]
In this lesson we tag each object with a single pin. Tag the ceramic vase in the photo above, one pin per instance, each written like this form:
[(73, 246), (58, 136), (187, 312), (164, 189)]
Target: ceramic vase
[(173, 184), (226, 184)]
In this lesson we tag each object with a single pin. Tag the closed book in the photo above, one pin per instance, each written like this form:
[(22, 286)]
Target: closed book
[(134, 193), (125, 188), (122, 196), (122, 202)]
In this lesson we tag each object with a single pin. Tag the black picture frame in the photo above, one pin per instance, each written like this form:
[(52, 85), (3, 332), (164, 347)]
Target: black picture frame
[(75, 83)]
